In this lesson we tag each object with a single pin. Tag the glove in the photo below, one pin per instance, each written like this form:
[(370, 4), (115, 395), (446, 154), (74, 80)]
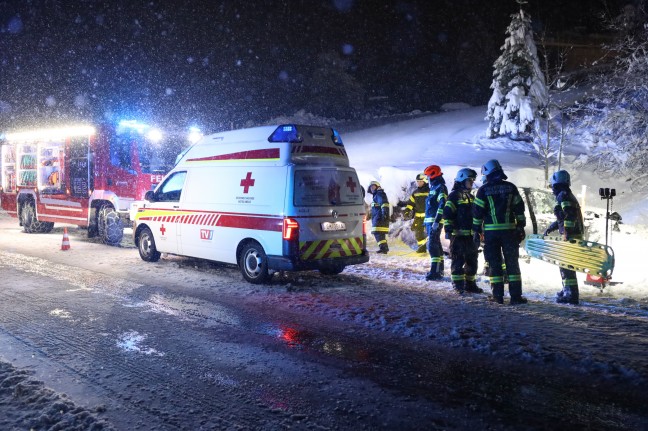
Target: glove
[(477, 239), (546, 232), (520, 233)]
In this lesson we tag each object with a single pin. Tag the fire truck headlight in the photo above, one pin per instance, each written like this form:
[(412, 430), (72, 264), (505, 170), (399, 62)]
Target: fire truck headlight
[(154, 135)]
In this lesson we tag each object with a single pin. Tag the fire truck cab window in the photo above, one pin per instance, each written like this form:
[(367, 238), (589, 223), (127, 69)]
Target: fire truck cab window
[(120, 152), (172, 188)]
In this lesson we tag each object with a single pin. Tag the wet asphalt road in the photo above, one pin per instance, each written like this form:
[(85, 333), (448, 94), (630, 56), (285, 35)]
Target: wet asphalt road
[(154, 355)]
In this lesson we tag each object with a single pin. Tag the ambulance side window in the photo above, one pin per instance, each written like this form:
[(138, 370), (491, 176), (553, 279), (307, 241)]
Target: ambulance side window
[(171, 190)]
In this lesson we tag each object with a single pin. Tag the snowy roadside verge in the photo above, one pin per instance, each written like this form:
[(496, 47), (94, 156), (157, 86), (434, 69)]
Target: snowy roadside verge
[(28, 404)]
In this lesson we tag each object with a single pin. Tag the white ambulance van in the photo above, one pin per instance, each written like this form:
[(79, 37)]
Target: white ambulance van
[(269, 199)]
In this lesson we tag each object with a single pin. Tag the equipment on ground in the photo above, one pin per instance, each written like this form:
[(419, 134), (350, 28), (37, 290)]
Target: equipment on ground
[(578, 255)]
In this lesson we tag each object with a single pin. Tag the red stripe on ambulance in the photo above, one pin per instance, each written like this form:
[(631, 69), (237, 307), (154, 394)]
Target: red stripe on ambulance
[(268, 153)]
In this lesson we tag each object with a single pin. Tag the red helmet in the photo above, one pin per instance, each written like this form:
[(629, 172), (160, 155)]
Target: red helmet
[(433, 171)]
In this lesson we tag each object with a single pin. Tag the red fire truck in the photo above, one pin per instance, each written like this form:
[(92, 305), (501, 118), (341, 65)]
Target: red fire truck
[(84, 175)]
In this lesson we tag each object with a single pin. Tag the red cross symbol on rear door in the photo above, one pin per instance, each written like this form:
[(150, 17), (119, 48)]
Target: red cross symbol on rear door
[(351, 184), (247, 182), (162, 229)]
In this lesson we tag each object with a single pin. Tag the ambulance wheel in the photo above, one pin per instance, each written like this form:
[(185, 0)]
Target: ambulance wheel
[(110, 226), (334, 269), (146, 246), (254, 263)]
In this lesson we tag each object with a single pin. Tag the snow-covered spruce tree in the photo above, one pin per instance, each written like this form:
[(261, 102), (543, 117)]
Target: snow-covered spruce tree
[(519, 88)]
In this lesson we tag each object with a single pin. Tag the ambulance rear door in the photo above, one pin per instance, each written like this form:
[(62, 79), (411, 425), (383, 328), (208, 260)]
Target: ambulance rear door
[(328, 205)]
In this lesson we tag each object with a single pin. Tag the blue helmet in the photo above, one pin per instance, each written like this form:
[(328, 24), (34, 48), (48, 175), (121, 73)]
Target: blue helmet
[(561, 177), (490, 167), (464, 174)]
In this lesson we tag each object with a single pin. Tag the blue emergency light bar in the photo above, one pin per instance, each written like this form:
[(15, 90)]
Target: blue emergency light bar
[(289, 133), (337, 139), (286, 133), (134, 125)]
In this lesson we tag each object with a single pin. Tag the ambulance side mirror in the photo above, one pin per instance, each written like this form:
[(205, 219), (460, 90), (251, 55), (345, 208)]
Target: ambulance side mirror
[(150, 196)]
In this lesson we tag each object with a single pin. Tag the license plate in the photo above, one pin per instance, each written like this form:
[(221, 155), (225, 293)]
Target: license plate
[(328, 226)]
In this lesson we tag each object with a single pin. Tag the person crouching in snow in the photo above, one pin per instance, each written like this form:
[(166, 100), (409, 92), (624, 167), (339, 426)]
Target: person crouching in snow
[(458, 217), (433, 219), (416, 209), (379, 216), (569, 222)]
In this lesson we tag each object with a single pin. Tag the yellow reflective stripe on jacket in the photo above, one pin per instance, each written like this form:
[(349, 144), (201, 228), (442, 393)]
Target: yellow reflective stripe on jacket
[(379, 229), (499, 226)]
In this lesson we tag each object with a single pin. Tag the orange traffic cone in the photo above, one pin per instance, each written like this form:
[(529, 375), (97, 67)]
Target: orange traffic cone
[(65, 245)]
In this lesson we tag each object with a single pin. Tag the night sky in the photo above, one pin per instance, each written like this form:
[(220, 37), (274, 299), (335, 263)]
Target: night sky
[(222, 64)]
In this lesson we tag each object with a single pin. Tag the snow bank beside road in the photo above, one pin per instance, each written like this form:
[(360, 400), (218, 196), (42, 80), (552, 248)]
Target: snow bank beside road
[(26, 404)]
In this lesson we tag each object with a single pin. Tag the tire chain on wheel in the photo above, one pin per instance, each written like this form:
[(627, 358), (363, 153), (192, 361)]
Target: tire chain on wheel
[(31, 224), (111, 228)]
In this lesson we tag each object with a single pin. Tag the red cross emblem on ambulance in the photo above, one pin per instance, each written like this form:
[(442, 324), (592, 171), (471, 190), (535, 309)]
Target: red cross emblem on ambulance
[(247, 182), (351, 184)]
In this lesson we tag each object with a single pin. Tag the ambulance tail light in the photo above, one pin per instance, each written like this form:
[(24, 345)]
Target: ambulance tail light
[(364, 234), (290, 229)]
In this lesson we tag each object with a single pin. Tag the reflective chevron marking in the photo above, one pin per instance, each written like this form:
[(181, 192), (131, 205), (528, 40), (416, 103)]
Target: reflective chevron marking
[(323, 249)]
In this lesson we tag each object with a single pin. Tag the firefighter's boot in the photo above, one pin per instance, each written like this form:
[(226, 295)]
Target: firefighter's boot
[(517, 300), (471, 287), (498, 293), (436, 270), (458, 287), (569, 295)]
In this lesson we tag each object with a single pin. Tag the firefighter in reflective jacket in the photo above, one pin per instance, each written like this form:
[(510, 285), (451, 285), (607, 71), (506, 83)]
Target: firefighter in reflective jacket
[(499, 208), (379, 216), (569, 222), (458, 220), (415, 208), (434, 204)]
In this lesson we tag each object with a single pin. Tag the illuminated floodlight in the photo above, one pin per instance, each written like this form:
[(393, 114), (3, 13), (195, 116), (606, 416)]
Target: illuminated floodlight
[(56, 134), (154, 135), (194, 134)]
